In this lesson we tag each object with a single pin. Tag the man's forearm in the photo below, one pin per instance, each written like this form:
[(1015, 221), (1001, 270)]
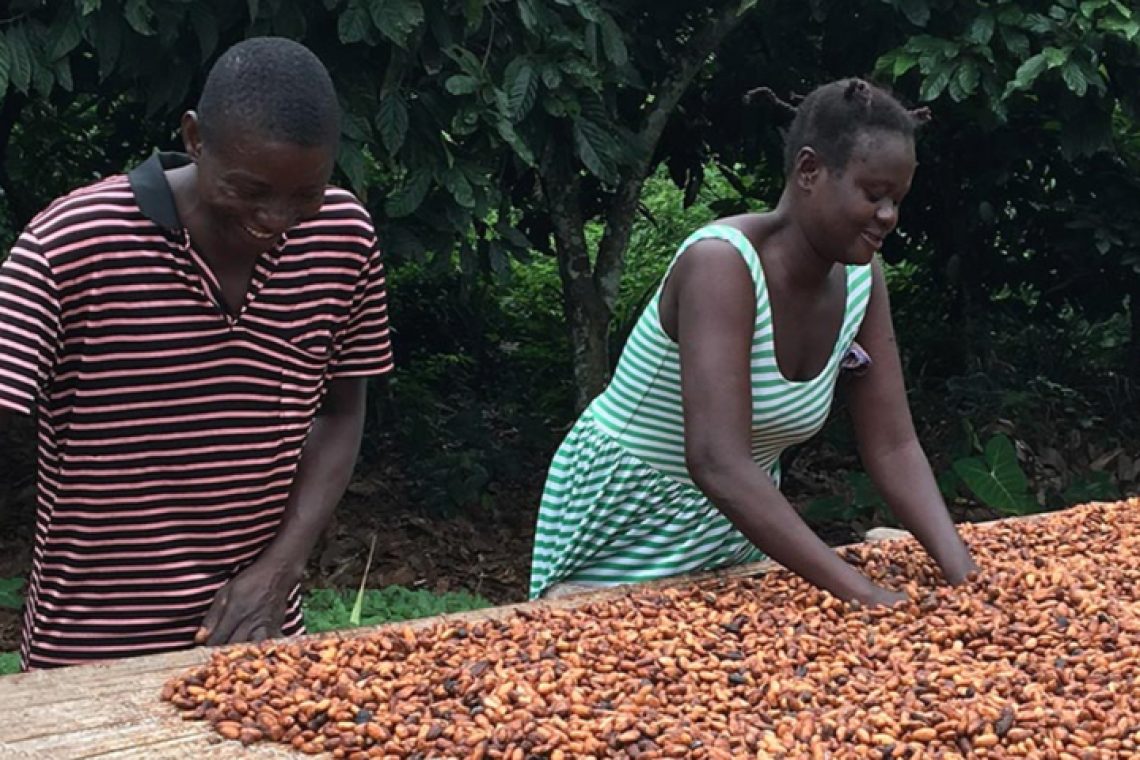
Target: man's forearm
[(326, 466)]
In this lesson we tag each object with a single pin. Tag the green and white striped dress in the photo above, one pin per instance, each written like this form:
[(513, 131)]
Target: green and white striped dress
[(619, 505)]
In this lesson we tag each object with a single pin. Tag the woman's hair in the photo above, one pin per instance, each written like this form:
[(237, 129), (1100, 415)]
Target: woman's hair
[(832, 117)]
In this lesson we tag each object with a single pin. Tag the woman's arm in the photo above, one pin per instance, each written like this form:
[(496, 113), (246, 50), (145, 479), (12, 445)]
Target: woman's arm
[(889, 446), (714, 304)]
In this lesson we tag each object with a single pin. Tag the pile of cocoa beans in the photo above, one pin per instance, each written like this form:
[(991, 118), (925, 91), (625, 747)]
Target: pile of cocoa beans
[(1038, 657)]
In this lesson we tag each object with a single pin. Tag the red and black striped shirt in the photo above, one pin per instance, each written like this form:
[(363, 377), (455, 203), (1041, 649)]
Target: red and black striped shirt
[(169, 431)]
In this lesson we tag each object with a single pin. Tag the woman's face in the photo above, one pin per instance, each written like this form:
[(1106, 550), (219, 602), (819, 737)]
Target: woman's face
[(850, 213)]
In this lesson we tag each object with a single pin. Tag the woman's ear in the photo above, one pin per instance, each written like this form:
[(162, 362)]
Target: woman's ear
[(807, 168), (191, 135)]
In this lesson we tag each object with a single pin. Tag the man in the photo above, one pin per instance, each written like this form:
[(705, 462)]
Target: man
[(194, 340)]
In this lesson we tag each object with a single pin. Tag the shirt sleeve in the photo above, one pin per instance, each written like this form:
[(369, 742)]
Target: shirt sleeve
[(29, 325), (363, 346)]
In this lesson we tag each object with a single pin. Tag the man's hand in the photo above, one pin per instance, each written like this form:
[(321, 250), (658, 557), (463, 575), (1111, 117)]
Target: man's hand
[(251, 607)]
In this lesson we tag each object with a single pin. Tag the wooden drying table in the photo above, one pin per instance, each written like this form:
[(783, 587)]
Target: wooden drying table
[(113, 709)]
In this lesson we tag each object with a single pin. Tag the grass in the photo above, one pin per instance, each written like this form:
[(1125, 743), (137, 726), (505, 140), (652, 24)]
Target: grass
[(328, 609)]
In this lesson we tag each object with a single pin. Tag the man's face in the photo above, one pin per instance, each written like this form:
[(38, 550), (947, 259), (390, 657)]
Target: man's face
[(252, 189)]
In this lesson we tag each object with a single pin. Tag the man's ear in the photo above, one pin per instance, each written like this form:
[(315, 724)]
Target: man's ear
[(807, 169), (191, 135)]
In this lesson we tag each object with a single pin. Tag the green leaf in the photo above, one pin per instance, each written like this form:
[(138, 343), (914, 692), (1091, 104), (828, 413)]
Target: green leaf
[(512, 235), (19, 58), (87, 7), (829, 509), (9, 663), (254, 8), (1128, 28), (997, 480), (43, 78), (528, 14), (591, 150), (965, 80), (981, 30), (588, 9), (902, 64), (936, 83), (108, 34), (745, 6), (461, 84), (1039, 24), (206, 27), (140, 17), (512, 138), (1074, 78), (948, 485), (5, 64), (613, 42), (466, 60), (1016, 42), (1028, 72), (392, 121), (289, 21), (917, 12), (352, 26), (10, 596), (1056, 56), (522, 87), (456, 183), (358, 606), (473, 14), (352, 163), (1090, 7), (62, 71), (397, 19), (551, 76), (67, 37), (356, 128), (410, 195), (1091, 486), (590, 43)]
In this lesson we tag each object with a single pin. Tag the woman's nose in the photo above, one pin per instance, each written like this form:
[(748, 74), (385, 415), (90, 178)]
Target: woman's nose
[(887, 214)]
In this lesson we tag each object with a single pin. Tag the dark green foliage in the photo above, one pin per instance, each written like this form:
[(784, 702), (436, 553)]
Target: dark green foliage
[(1015, 277), (997, 479), (10, 596)]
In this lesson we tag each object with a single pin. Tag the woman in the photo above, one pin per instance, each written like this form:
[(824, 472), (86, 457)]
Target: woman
[(675, 467)]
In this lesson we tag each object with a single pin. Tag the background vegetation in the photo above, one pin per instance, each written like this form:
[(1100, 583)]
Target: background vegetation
[(532, 164)]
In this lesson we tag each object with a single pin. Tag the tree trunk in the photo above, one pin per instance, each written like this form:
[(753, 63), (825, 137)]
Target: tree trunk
[(590, 291), (586, 310)]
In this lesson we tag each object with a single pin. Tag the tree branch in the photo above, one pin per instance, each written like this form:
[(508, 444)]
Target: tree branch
[(703, 44), (619, 219)]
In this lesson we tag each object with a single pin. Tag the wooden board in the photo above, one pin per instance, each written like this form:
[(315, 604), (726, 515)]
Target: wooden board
[(113, 709)]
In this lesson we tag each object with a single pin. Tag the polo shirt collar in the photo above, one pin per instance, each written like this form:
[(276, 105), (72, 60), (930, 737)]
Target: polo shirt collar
[(152, 191)]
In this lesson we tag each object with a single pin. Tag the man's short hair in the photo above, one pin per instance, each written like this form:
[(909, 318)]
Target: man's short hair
[(274, 87)]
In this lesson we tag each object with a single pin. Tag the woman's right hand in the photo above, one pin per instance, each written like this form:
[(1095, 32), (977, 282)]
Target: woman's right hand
[(877, 596)]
